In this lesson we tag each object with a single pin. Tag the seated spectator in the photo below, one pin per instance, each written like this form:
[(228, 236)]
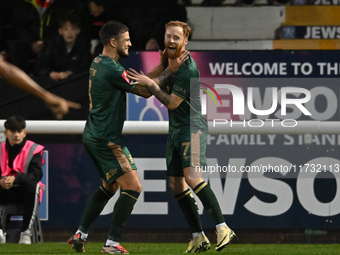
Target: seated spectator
[(145, 19), (30, 29), (67, 54), (21, 171), (98, 18), (30, 20), (35, 22)]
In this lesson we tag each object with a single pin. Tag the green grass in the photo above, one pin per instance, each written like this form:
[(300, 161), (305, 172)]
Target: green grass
[(175, 248)]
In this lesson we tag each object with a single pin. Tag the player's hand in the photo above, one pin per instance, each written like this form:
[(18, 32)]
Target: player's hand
[(175, 63), (139, 78), (59, 106), (163, 58)]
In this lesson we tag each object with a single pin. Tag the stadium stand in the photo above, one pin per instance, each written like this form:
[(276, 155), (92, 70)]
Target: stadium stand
[(309, 27), (262, 26)]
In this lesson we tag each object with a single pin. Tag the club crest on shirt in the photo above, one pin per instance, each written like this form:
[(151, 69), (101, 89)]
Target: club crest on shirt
[(124, 75)]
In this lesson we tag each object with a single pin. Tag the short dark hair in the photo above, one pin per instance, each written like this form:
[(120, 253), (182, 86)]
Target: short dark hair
[(15, 123), (112, 29), (70, 17)]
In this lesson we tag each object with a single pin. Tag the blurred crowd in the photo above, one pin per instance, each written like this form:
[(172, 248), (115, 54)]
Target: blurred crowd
[(59, 38)]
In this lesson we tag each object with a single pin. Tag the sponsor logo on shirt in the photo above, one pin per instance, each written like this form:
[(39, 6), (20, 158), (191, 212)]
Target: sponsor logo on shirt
[(124, 75), (180, 89)]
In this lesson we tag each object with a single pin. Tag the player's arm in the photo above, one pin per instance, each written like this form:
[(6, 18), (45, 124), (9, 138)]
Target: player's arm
[(173, 66), (171, 101), (160, 73), (160, 67), (18, 78), (141, 91)]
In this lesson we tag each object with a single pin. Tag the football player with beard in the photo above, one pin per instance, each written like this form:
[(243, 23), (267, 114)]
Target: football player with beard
[(102, 136), (186, 145)]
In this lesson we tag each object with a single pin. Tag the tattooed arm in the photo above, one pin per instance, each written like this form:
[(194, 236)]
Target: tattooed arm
[(171, 101), (159, 80), (174, 64), (142, 91)]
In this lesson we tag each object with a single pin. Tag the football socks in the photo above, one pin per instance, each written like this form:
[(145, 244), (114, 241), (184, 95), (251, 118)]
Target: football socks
[(209, 201), (121, 213), (189, 209), (94, 207)]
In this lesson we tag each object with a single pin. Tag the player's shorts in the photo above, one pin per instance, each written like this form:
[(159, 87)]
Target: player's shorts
[(111, 161), (185, 150)]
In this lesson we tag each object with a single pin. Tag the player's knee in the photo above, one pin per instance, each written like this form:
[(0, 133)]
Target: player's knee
[(177, 187), (138, 187), (188, 180)]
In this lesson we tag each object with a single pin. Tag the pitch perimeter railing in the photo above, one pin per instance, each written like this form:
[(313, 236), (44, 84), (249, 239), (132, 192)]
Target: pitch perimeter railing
[(217, 127)]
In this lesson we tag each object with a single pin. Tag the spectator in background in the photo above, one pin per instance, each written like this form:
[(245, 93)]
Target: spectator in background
[(21, 171), (68, 53), (30, 25), (99, 15), (146, 19), (34, 23), (30, 21)]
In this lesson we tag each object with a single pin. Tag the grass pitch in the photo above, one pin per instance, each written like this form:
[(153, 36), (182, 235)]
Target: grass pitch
[(175, 248)]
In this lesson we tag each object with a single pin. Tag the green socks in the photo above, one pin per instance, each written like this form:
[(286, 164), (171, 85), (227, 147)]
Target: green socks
[(121, 212), (189, 208), (209, 201), (94, 207)]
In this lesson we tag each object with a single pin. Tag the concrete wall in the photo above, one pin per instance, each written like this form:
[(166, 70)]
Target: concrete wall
[(235, 23)]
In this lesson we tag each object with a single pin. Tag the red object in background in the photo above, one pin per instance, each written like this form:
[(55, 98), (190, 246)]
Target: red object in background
[(4, 55)]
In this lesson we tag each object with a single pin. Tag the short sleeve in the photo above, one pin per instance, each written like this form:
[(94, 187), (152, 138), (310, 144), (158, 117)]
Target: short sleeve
[(122, 82), (181, 86)]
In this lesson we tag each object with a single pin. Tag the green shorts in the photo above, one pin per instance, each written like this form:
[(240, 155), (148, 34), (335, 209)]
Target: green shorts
[(185, 150), (111, 161)]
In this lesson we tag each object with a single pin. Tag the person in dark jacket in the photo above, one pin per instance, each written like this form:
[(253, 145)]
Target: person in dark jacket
[(20, 174), (145, 19), (68, 53)]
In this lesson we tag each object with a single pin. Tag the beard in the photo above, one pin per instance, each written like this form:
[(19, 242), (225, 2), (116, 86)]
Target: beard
[(122, 53), (173, 54)]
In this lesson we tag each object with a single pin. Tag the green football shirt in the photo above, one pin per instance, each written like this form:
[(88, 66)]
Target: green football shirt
[(108, 85), (187, 117)]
